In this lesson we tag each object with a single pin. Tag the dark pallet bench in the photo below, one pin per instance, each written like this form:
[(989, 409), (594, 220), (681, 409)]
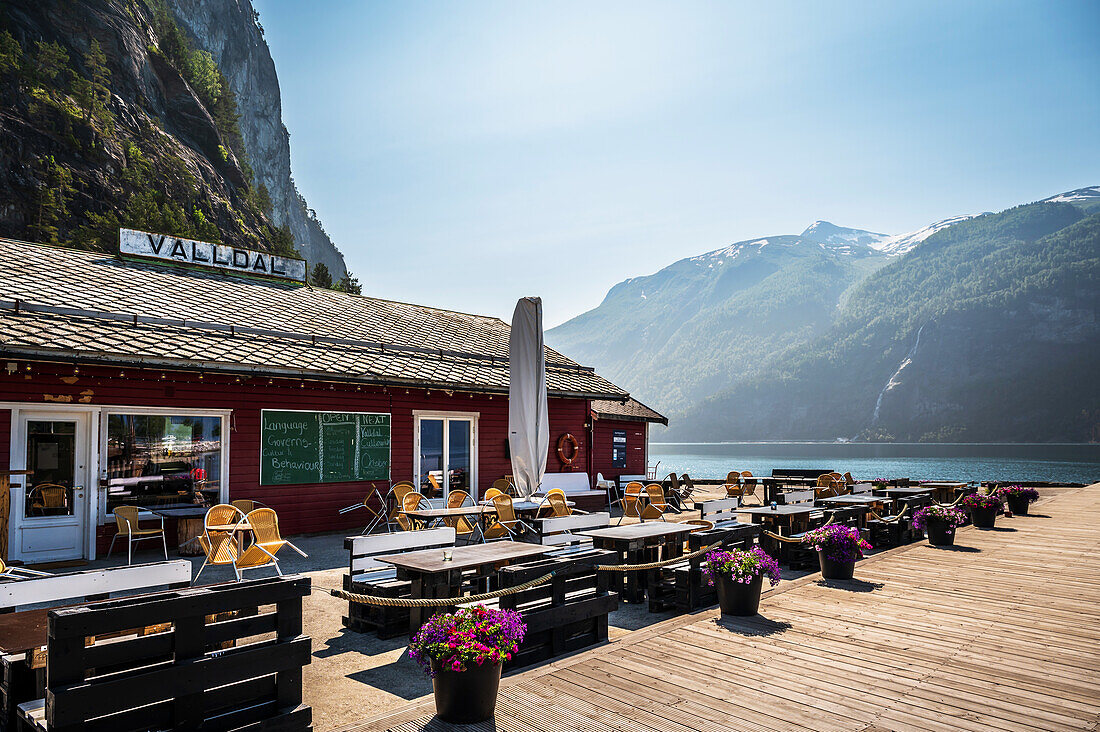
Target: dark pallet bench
[(885, 534), (21, 674), (368, 576), (682, 585), (167, 665), (567, 613)]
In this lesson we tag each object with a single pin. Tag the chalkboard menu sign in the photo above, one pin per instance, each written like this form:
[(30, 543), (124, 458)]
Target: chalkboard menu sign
[(323, 447), (618, 448)]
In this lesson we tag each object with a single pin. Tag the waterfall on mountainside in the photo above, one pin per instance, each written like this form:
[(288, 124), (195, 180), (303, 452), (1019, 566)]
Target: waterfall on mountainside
[(895, 378)]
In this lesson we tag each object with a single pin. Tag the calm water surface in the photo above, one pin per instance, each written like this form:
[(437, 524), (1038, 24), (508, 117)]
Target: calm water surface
[(1053, 463)]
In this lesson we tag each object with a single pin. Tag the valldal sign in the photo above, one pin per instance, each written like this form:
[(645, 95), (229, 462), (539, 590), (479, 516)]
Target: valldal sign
[(205, 254)]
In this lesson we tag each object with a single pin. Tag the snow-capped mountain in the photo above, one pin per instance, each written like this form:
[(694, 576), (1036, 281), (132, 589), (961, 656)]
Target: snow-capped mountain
[(829, 233), (902, 243), (1081, 195)]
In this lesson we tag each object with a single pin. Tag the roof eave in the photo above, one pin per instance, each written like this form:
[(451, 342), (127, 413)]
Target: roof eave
[(110, 359)]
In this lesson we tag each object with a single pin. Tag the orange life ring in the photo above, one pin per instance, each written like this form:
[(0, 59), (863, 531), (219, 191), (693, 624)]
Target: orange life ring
[(568, 438)]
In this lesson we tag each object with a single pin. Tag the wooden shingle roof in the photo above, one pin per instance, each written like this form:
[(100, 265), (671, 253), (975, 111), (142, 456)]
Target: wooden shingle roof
[(630, 409), (96, 307)]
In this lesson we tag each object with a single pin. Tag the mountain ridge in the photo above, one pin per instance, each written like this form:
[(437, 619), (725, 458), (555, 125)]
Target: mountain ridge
[(666, 356)]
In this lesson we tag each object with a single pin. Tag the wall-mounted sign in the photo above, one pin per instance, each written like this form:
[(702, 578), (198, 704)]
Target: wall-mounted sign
[(205, 254), (618, 448)]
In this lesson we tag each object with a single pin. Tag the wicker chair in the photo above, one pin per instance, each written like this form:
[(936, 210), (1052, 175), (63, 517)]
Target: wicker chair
[(506, 525), (657, 505), (126, 519), (220, 547), (632, 500), (410, 502), (463, 526), (47, 497), (733, 486), (268, 542), (748, 485), (493, 493), (504, 486)]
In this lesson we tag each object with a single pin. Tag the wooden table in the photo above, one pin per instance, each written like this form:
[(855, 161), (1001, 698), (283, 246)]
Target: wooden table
[(855, 499), (431, 576), (903, 492), (792, 516), (945, 491), (433, 516), (189, 527), (639, 544)]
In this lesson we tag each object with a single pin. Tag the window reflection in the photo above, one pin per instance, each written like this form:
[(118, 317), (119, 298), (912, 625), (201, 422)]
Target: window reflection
[(161, 460), (51, 455)]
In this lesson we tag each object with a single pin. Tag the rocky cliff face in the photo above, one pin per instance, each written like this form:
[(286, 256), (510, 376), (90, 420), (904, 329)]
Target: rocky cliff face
[(228, 30)]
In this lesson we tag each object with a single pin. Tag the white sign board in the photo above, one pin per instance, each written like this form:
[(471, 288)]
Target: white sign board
[(205, 254)]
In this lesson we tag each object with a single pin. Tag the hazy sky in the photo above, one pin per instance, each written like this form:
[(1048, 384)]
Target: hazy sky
[(463, 154)]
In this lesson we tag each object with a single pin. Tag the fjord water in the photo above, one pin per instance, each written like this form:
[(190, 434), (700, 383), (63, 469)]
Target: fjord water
[(1055, 463)]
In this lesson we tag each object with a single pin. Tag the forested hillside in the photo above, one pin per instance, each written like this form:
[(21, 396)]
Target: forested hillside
[(112, 116), (986, 332), (976, 329)]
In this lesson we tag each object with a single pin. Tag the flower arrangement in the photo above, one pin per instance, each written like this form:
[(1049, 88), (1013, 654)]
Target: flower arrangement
[(1018, 492), (741, 566), (839, 543), (979, 501), (469, 637), (953, 518)]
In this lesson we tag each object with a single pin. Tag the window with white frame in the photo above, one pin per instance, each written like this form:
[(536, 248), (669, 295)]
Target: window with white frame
[(162, 459), (446, 452)]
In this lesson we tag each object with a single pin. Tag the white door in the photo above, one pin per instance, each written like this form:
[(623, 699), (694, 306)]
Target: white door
[(49, 509), (446, 449)]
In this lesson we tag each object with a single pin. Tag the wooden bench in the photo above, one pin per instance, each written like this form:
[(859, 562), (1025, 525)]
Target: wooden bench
[(720, 512), (560, 530), (682, 585), (567, 613), (368, 576), (577, 487), (21, 674), (181, 677)]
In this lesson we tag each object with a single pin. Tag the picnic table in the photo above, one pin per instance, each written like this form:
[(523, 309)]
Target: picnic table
[(903, 491), (792, 516), (945, 491), (432, 576), (640, 544)]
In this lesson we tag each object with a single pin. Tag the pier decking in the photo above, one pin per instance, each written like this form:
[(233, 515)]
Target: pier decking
[(1001, 632)]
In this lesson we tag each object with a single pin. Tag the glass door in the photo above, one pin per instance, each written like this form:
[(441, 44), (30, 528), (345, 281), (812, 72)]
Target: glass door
[(49, 510), (445, 454)]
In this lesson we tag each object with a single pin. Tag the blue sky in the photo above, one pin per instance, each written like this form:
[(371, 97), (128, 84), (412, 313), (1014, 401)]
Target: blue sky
[(464, 154)]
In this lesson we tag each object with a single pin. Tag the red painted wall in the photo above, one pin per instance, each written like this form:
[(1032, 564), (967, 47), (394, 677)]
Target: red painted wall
[(635, 448), (301, 508)]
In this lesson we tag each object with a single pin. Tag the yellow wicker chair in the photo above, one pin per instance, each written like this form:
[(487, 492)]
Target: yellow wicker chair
[(126, 519), (748, 485), (506, 525), (493, 493), (504, 486), (656, 507), (268, 542), (47, 497), (559, 504), (733, 486), (246, 505), (410, 502), (436, 490), (220, 547), (462, 525), (632, 501)]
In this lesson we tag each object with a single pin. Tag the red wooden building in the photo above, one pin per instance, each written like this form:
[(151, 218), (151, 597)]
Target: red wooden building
[(132, 381)]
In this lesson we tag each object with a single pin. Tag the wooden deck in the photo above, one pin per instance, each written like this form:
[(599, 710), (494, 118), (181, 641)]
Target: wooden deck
[(1001, 633)]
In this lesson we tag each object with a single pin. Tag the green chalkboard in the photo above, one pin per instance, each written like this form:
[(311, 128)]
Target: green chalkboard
[(323, 447)]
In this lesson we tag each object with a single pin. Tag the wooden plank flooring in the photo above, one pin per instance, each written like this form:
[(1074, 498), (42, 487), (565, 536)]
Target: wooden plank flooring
[(1001, 633)]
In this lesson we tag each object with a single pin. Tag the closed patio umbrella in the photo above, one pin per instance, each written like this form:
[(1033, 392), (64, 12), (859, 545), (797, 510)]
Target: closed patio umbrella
[(528, 425)]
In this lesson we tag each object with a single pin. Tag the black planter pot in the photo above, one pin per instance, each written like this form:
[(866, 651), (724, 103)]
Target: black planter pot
[(736, 598), (984, 518), (939, 533), (1018, 506), (466, 697), (835, 570)]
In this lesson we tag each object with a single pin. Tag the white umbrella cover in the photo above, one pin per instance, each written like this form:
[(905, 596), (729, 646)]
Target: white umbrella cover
[(528, 424)]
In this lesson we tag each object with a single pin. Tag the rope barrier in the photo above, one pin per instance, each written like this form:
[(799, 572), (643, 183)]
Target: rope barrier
[(886, 520), (655, 565), (434, 602), (789, 540)]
